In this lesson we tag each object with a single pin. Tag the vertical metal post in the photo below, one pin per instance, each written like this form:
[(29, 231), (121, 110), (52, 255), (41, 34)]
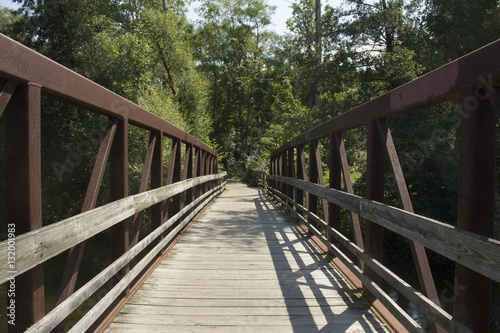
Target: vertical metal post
[(210, 170), (271, 171), (335, 182), (208, 164), (157, 180), (284, 172), (274, 172), (301, 173), (175, 173), (476, 205), (216, 164), (203, 159), (312, 200), (374, 233), (291, 171), (23, 204), (188, 171), (197, 169), (277, 184), (279, 172)]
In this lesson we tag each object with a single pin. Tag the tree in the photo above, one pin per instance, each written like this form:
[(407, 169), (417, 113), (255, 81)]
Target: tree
[(7, 19), (233, 47), (459, 27)]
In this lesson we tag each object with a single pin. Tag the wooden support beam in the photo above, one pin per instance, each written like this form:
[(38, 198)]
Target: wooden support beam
[(23, 204)]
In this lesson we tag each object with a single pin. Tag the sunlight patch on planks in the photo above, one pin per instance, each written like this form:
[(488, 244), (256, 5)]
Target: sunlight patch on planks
[(244, 267)]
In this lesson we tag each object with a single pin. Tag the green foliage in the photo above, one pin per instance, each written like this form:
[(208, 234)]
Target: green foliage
[(232, 52), (8, 19), (461, 26), (246, 91), (135, 49)]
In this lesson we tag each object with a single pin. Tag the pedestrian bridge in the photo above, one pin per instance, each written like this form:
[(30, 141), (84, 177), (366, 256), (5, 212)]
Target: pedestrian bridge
[(244, 266), (222, 257)]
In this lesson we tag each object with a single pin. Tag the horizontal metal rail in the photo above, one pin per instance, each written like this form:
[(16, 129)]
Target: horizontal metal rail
[(478, 69), (23, 65)]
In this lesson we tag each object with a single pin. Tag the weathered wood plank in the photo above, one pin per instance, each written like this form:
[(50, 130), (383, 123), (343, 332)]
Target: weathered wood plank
[(271, 278), (242, 320), (271, 283), (38, 246), (476, 252), (293, 291), (91, 316), (42, 244), (240, 303), (354, 328), (341, 308)]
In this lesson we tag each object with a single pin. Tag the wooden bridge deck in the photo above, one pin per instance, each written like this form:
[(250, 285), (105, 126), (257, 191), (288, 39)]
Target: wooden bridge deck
[(244, 267)]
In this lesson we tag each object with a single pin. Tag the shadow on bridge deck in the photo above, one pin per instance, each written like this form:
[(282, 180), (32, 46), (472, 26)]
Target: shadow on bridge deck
[(243, 266)]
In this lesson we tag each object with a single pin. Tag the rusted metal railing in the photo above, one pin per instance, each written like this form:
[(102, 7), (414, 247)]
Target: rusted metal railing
[(192, 179), (470, 80)]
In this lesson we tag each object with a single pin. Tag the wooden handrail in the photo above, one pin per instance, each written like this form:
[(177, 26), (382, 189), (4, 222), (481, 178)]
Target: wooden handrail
[(477, 252), (37, 246), (55, 317)]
